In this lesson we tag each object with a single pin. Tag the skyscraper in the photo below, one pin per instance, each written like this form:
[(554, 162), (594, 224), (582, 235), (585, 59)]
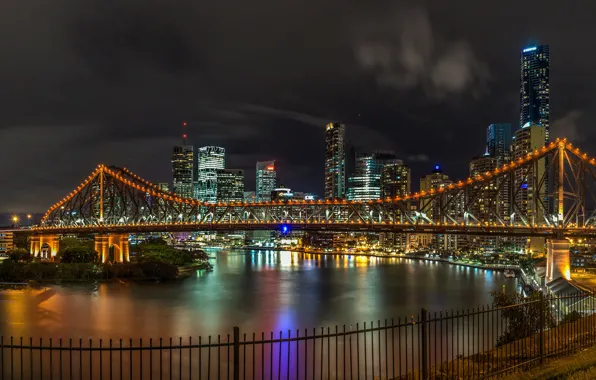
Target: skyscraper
[(535, 87), (498, 142), (163, 186), (395, 179), (483, 201), (498, 147), (526, 140), (183, 169), (209, 159), (335, 161), (365, 184), (266, 180), (230, 185)]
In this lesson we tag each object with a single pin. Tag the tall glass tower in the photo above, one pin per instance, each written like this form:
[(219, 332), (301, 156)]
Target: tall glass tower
[(266, 180), (335, 161), (210, 159), (535, 87), (183, 169)]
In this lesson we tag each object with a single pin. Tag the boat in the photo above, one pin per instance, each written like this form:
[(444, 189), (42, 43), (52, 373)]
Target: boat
[(509, 273)]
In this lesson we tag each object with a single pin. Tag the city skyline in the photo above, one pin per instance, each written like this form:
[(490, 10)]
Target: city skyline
[(462, 84)]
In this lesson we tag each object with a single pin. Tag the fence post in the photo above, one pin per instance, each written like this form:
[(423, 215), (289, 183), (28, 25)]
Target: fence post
[(236, 353), (541, 340), (424, 349)]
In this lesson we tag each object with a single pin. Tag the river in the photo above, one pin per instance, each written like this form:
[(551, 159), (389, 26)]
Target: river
[(260, 291)]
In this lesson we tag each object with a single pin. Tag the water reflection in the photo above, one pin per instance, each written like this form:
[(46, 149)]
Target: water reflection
[(257, 290)]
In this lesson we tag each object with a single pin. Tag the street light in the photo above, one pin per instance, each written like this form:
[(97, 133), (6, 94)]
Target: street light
[(15, 219), (29, 216)]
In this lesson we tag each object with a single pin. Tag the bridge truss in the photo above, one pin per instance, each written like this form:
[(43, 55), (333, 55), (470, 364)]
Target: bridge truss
[(547, 192)]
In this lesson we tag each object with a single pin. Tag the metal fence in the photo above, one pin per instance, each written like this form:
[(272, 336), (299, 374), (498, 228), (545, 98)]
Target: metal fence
[(477, 343)]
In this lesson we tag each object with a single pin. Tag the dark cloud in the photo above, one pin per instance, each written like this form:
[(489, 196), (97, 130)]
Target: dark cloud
[(85, 82)]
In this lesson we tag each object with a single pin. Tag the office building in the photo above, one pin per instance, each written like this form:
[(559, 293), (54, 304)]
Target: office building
[(395, 182), (266, 180), (483, 203), (498, 146), (365, 184), (183, 170), (395, 179), (335, 161), (230, 185), (250, 196), (210, 159), (483, 200), (163, 186), (6, 241), (526, 140), (535, 87), (498, 142), (435, 212)]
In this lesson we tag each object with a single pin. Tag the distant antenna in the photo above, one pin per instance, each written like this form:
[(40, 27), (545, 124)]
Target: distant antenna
[(184, 136)]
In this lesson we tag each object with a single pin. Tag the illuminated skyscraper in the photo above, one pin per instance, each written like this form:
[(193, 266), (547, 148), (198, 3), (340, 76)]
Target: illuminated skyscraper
[(395, 179), (183, 169), (498, 142), (266, 180), (210, 159), (483, 202), (230, 185), (335, 161), (365, 184), (526, 140), (535, 87), (163, 186)]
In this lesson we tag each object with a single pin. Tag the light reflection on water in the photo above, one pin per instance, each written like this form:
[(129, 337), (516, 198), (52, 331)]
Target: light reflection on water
[(258, 291)]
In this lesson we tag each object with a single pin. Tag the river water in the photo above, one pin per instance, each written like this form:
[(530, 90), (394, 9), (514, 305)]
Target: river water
[(260, 291)]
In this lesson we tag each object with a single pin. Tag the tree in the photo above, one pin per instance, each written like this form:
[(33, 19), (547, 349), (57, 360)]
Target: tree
[(78, 255), (19, 254), (522, 314), (21, 239), (164, 254)]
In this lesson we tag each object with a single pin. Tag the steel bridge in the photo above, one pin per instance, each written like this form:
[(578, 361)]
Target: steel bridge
[(548, 193)]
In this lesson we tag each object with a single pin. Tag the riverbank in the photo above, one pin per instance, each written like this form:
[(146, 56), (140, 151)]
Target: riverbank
[(494, 267), (21, 274)]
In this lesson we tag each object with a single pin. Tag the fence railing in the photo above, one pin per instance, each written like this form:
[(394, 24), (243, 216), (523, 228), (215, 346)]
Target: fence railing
[(475, 343)]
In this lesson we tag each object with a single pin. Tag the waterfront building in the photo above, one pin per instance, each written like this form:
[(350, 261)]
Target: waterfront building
[(527, 139), (395, 182), (230, 185), (183, 169), (335, 161), (535, 88), (432, 211), (266, 180), (365, 184), (527, 208), (6, 241), (483, 202), (163, 186), (210, 159)]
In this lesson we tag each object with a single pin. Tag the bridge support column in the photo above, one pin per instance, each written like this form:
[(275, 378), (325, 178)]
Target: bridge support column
[(102, 247), (35, 245), (44, 246), (118, 242), (557, 260)]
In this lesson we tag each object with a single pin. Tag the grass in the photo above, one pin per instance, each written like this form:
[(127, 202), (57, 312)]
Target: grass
[(523, 354), (581, 366)]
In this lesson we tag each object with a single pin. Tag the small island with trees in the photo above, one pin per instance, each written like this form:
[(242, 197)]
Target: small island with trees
[(78, 261)]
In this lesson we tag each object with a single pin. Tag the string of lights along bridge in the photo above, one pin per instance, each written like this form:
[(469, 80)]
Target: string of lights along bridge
[(113, 203)]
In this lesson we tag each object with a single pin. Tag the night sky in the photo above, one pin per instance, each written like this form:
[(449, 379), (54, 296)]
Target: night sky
[(84, 82)]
